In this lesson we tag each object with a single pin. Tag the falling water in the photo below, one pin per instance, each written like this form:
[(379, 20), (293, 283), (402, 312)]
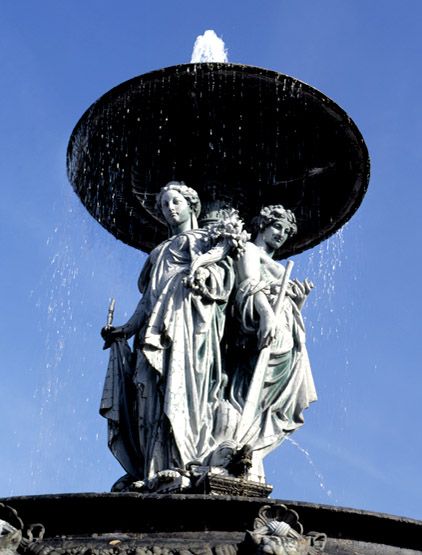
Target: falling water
[(85, 270), (325, 322), (321, 265), (61, 331), (65, 300), (209, 48), (318, 474)]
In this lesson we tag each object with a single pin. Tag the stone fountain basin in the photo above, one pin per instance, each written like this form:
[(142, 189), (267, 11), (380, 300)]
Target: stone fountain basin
[(134, 524)]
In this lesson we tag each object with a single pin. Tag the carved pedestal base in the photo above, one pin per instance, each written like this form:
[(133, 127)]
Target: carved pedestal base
[(215, 484), (210, 481)]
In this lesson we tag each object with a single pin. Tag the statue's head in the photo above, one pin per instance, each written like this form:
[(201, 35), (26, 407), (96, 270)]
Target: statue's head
[(273, 226), (178, 203)]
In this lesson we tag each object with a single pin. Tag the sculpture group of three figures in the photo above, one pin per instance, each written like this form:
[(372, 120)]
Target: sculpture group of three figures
[(218, 374)]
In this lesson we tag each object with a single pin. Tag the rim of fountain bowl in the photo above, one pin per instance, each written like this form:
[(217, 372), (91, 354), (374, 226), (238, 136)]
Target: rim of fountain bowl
[(82, 514), (151, 232)]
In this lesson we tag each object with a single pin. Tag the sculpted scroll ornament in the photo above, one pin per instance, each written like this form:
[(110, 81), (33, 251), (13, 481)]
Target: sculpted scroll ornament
[(277, 531), (183, 403), (14, 536)]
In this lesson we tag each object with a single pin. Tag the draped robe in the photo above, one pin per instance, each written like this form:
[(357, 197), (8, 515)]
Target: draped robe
[(288, 386), (174, 380)]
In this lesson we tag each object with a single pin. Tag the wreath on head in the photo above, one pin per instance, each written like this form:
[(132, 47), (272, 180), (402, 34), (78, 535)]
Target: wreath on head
[(274, 213)]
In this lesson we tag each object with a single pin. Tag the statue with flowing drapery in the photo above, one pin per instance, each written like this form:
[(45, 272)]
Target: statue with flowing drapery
[(160, 398), (195, 398), (268, 411), (218, 372)]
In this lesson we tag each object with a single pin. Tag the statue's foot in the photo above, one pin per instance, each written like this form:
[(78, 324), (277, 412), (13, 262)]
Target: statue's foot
[(139, 485), (124, 483), (168, 481)]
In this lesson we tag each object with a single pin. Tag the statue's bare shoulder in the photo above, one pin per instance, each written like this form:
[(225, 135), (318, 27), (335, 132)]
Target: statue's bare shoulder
[(250, 264)]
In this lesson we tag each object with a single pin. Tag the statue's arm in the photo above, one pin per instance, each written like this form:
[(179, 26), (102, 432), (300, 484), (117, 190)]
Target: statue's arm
[(111, 333), (127, 330), (145, 274), (249, 268), (299, 291), (135, 321)]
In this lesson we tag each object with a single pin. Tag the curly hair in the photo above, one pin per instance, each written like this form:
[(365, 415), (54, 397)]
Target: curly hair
[(274, 213), (188, 193)]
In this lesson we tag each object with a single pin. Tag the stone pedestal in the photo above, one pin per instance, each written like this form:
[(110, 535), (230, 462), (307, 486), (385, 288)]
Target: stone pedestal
[(134, 524)]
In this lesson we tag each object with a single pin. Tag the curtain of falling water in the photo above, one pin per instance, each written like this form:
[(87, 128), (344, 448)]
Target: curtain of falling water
[(325, 319), (68, 448)]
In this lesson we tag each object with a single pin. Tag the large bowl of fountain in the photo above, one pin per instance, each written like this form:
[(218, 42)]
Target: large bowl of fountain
[(241, 135)]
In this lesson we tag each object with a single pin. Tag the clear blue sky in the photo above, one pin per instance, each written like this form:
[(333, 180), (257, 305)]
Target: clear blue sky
[(59, 267)]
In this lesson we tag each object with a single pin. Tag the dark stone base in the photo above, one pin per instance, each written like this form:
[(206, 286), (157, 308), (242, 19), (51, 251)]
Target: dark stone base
[(134, 524)]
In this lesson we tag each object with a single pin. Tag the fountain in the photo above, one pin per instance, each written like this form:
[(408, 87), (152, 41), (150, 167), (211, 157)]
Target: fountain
[(209, 48), (242, 166)]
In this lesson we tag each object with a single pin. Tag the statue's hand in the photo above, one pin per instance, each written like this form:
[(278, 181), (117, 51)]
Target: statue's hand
[(266, 331), (300, 290), (111, 333)]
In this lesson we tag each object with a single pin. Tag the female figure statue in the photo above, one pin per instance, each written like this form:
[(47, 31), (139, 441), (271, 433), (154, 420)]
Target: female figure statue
[(288, 386), (159, 400)]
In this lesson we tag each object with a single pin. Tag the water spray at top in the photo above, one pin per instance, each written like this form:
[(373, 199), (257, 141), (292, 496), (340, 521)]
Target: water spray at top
[(209, 48)]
